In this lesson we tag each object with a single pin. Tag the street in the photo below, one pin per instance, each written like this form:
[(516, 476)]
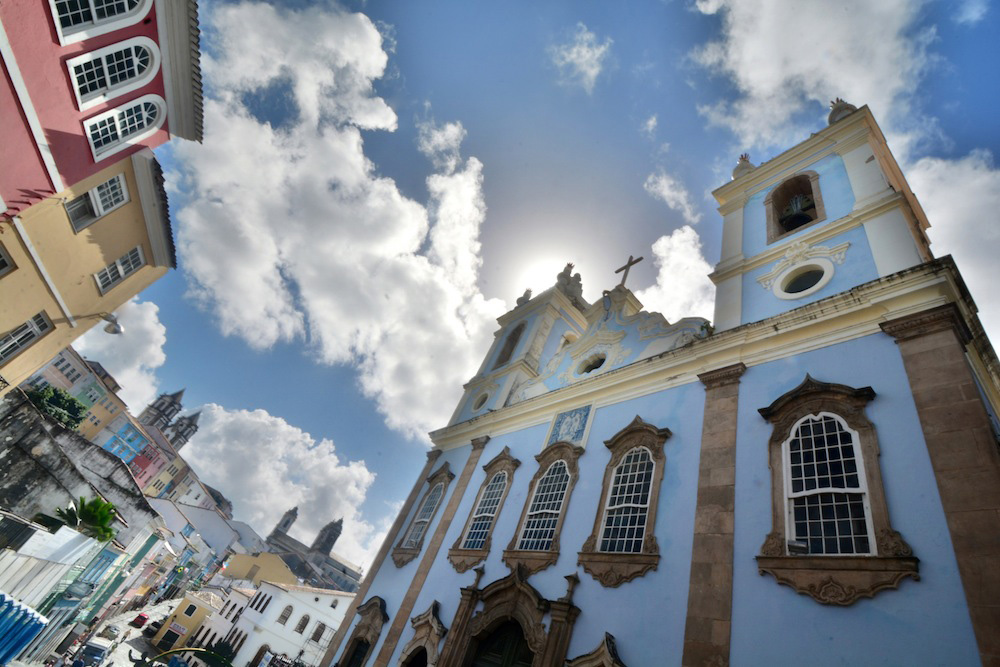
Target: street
[(132, 639)]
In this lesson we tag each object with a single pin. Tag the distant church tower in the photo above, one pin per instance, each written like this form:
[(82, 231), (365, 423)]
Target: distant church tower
[(179, 432), (286, 522), (162, 410), (328, 536)]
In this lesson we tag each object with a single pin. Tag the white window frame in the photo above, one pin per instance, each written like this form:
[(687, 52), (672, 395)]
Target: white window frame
[(132, 139), (38, 325), (862, 488), (6, 263), (480, 513), (122, 275), (611, 494), (111, 92), (524, 542), (95, 28), (95, 203), (423, 517)]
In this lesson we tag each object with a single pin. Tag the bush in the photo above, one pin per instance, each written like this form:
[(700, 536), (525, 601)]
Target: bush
[(59, 405)]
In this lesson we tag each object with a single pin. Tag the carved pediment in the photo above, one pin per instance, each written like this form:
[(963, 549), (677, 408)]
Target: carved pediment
[(605, 655), (839, 580)]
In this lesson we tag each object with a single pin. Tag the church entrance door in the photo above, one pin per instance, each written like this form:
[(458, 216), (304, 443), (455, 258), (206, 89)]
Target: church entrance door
[(504, 647)]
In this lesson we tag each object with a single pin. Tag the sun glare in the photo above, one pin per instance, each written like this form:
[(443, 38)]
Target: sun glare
[(540, 274)]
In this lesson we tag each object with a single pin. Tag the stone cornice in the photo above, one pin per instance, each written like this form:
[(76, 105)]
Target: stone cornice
[(846, 316), (723, 376), (930, 321)]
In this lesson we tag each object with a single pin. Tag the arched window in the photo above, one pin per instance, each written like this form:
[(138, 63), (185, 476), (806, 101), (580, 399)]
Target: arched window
[(536, 543), (793, 204), (303, 622), (318, 632), (359, 651), (101, 75), (285, 614), (77, 20), (115, 130), (473, 544), (830, 520), (826, 499), (413, 539), (624, 525), (509, 345), (263, 607)]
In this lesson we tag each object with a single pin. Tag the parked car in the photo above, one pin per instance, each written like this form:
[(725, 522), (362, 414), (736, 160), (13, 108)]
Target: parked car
[(96, 652), (153, 628), (110, 632), (139, 620)]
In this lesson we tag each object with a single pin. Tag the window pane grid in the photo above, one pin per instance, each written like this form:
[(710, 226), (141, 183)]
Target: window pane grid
[(110, 194), (543, 513), (822, 457), (89, 77), (482, 520), (135, 118), (628, 504), (832, 523), (423, 517), (73, 12), (105, 9), (22, 336), (104, 132), (121, 268), (121, 66)]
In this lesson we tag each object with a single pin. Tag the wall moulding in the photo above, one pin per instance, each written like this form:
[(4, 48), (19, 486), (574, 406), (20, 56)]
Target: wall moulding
[(839, 581)]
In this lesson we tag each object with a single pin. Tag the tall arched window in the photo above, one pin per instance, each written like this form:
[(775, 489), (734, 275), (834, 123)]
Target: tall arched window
[(473, 545), (413, 539), (318, 632), (536, 543), (285, 614), (509, 345), (76, 20), (101, 75), (115, 130), (303, 622), (624, 525)]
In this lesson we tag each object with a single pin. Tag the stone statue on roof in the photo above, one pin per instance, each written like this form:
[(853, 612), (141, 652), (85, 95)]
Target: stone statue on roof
[(571, 285)]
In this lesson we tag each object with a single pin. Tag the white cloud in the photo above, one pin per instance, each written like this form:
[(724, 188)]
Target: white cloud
[(266, 466), (682, 286), (971, 11), (672, 192), (648, 127), (290, 232), (133, 356), (581, 60), (955, 195), (865, 52)]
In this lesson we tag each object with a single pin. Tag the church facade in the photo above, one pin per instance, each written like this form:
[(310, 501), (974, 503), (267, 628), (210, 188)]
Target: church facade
[(316, 564), (815, 478)]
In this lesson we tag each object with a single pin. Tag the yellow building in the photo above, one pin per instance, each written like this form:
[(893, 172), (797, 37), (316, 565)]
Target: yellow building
[(178, 628), (176, 469), (77, 256), (258, 567)]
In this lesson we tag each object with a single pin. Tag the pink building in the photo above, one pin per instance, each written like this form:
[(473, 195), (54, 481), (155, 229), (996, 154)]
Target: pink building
[(86, 83)]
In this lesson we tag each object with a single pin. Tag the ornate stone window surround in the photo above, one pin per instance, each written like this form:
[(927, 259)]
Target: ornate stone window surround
[(832, 579), (407, 549), (536, 560), (368, 629), (464, 558), (800, 258), (428, 631), (775, 232), (613, 568)]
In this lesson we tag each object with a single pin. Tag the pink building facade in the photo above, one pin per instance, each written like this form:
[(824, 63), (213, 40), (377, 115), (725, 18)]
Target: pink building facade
[(86, 83)]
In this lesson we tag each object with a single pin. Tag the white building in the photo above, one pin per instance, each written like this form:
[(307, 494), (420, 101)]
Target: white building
[(218, 624), (282, 623)]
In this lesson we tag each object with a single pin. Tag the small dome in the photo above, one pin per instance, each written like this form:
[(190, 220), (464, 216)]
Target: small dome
[(743, 166), (839, 109)]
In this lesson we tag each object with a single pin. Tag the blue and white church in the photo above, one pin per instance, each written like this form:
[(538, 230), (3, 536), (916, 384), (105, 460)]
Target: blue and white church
[(812, 479)]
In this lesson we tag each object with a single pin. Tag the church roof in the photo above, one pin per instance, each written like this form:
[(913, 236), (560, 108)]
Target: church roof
[(177, 395)]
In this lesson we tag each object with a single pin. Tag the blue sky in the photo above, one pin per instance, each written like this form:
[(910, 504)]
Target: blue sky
[(380, 181)]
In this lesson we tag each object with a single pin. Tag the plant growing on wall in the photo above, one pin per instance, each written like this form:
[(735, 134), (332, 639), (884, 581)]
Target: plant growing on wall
[(59, 405), (91, 517)]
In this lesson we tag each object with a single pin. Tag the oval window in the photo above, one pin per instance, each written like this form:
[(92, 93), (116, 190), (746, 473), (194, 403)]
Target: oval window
[(480, 402), (804, 280), (591, 364)]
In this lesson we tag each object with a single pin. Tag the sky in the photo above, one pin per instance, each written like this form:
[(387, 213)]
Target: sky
[(380, 181)]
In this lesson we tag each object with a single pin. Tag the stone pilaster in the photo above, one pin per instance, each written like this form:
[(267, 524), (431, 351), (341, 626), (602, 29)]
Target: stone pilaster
[(402, 615), (963, 453), (390, 538), (710, 596)]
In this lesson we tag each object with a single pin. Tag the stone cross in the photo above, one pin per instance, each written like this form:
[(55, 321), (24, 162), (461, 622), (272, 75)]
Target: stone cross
[(626, 268)]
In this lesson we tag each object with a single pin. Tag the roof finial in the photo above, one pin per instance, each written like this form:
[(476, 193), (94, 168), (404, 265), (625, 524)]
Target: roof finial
[(839, 109)]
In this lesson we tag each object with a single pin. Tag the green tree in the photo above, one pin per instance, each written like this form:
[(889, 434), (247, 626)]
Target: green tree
[(222, 649), (91, 517), (59, 405)]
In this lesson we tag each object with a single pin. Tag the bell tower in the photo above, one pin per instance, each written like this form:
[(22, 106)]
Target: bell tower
[(160, 412), (825, 216), (327, 537), (287, 519)]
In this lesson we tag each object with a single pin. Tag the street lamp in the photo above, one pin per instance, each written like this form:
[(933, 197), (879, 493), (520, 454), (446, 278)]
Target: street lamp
[(113, 325)]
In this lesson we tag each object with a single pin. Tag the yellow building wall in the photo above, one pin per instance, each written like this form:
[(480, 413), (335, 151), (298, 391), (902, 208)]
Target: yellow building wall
[(189, 623), (103, 415), (175, 468), (270, 568), (71, 260)]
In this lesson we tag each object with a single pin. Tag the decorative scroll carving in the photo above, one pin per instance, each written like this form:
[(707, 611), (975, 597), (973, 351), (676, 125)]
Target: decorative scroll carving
[(535, 561), (605, 655), (839, 580), (831, 579), (401, 555), (465, 559), (428, 632), (613, 569), (798, 253)]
